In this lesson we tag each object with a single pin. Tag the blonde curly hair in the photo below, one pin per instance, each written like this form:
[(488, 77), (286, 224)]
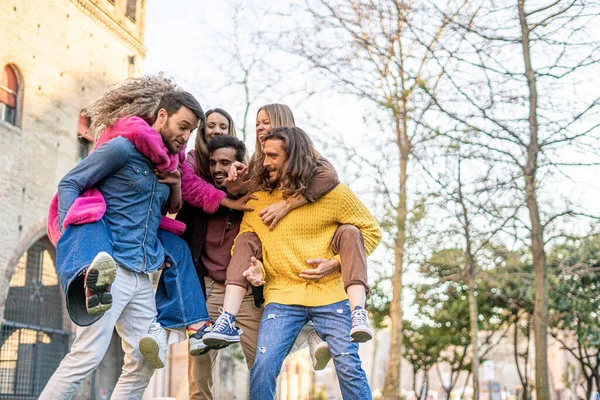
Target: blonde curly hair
[(132, 97)]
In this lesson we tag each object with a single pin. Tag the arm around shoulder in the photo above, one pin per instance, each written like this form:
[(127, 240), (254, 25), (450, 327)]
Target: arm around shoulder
[(323, 182)]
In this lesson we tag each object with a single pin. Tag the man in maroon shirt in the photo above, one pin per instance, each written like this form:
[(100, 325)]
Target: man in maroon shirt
[(211, 238)]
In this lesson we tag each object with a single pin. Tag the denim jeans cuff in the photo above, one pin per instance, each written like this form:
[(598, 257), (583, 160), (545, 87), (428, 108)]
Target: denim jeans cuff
[(184, 325)]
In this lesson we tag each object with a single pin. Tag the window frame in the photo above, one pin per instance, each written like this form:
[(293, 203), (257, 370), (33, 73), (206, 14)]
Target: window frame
[(14, 121), (131, 15)]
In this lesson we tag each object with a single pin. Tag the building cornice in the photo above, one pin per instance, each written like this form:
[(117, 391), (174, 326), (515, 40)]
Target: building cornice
[(112, 26)]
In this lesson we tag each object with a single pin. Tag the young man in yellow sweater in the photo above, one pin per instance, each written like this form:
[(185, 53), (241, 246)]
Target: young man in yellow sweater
[(306, 233)]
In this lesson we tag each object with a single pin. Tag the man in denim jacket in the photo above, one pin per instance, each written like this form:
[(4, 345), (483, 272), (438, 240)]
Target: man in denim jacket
[(135, 200)]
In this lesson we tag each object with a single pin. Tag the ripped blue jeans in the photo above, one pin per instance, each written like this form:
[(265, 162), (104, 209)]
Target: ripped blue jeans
[(279, 327)]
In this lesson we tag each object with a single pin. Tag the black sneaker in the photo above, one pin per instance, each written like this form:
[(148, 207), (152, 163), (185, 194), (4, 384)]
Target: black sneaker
[(197, 346)]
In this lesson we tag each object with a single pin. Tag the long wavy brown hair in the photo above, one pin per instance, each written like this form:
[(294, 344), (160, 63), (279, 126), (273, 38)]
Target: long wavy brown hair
[(299, 166), (132, 97)]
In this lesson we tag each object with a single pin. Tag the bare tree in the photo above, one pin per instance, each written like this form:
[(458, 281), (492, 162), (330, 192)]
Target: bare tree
[(509, 106), (468, 198), (475, 242), (365, 49), (246, 69)]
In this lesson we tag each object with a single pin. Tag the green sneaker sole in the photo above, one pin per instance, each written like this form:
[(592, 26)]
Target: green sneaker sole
[(150, 349)]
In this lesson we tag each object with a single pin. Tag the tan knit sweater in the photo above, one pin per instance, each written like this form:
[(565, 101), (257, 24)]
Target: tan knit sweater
[(306, 233)]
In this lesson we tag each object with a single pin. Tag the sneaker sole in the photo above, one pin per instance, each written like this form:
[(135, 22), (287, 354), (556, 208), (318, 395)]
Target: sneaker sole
[(203, 351), (150, 349), (198, 352), (198, 349), (360, 336), (219, 340), (321, 358), (101, 274)]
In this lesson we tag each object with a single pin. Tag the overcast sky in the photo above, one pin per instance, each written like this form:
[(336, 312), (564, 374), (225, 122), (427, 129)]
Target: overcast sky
[(187, 39)]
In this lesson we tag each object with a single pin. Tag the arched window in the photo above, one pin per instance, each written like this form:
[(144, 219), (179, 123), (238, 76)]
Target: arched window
[(8, 95), (33, 339)]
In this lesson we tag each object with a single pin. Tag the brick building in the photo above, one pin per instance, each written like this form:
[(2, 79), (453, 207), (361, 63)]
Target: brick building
[(56, 57)]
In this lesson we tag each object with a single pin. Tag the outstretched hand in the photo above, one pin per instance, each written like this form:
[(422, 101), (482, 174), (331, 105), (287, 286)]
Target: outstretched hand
[(254, 273), (237, 179)]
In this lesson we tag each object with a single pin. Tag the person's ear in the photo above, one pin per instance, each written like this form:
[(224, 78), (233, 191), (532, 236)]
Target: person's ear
[(161, 119), (162, 115)]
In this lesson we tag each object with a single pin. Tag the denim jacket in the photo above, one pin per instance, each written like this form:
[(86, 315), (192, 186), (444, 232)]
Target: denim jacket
[(134, 201)]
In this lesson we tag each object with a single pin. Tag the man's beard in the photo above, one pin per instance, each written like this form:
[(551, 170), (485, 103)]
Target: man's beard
[(164, 132), (215, 184), (272, 184)]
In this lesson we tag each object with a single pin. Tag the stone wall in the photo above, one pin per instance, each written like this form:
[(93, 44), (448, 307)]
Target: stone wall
[(65, 53), (65, 58)]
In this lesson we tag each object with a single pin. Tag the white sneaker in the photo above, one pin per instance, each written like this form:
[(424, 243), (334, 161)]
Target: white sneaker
[(98, 278), (153, 346), (360, 331), (319, 350)]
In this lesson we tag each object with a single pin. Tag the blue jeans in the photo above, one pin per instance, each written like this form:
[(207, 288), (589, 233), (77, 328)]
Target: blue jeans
[(279, 326), (179, 297), (75, 251)]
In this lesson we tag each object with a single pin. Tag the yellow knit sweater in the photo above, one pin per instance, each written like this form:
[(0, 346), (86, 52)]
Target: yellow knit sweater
[(303, 234)]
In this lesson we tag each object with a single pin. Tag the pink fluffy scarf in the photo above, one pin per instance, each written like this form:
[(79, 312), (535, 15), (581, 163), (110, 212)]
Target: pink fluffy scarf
[(90, 205)]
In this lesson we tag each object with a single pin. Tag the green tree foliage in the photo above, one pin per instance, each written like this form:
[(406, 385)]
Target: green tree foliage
[(378, 302), (422, 348), (575, 304), (512, 275), (444, 304)]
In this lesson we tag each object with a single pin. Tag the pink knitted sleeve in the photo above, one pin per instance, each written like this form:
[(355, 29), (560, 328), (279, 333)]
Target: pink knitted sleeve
[(198, 192)]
